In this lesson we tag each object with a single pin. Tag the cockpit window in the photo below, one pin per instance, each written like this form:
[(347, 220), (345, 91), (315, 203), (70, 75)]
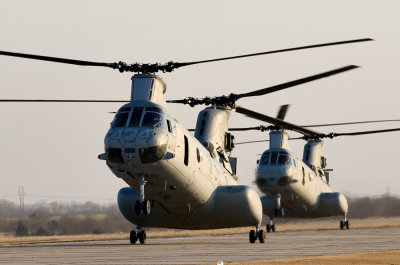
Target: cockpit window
[(265, 158), (274, 156), (153, 119), (120, 119), (283, 159), (125, 109), (154, 109), (135, 117)]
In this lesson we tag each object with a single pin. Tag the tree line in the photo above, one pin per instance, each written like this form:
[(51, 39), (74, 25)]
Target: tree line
[(58, 218)]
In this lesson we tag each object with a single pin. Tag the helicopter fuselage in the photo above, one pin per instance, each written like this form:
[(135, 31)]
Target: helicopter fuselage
[(188, 186), (301, 191)]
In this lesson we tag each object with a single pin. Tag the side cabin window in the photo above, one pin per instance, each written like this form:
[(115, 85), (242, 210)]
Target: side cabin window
[(154, 118), (186, 157), (169, 126), (136, 116)]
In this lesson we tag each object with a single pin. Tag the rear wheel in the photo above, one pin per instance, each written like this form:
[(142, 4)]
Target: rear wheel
[(146, 207)]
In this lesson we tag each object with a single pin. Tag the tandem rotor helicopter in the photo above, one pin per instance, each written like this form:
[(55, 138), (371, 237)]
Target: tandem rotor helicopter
[(177, 180), (298, 188)]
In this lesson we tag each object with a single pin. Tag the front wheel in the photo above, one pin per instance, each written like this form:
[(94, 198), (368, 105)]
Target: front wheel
[(262, 236), (133, 237), (142, 237), (252, 236)]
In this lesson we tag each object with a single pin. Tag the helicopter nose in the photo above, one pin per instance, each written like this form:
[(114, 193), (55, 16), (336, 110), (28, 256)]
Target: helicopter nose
[(126, 145), (274, 177)]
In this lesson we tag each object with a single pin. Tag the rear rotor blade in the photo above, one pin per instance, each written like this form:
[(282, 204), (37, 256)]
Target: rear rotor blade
[(232, 98), (296, 82), (280, 123), (346, 123), (282, 112), (332, 135)]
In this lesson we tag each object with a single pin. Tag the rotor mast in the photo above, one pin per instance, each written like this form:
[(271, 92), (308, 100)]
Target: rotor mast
[(148, 87)]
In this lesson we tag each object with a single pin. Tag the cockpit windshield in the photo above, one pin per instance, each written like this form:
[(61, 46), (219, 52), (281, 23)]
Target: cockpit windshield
[(136, 116), (121, 119), (275, 158), (284, 158), (265, 158), (153, 117), (154, 120)]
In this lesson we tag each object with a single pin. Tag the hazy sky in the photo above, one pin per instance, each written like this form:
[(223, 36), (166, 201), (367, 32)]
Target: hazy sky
[(51, 149)]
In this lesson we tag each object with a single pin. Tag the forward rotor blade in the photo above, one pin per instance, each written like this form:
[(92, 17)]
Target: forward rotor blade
[(275, 51), (155, 67), (277, 122), (295, 82), (59, 60), (64, 100), (346, 123)]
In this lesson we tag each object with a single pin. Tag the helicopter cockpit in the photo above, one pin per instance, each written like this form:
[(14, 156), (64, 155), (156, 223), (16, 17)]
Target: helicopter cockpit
[(273, 158), (153, 117), (129, 133)]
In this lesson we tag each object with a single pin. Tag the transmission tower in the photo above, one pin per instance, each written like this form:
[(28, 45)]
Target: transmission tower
[(21, 194)]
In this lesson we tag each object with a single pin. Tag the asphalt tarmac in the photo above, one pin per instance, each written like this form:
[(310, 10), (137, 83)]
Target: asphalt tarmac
[(207, 249)]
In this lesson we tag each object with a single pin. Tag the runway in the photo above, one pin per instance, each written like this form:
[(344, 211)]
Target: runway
[(205, 250)]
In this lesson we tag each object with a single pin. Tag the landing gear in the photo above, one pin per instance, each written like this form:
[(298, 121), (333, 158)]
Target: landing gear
[(257, 234), (278, 210), (344, 224), (271, 226), (136, 235), (146, 207), (138, 207), (133, 237), (142, 205)]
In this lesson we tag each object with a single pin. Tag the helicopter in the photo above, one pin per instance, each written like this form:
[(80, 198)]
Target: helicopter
[(177, 180), (294, 187)]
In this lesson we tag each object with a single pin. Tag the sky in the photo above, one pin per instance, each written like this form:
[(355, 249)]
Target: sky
[(51, 149)]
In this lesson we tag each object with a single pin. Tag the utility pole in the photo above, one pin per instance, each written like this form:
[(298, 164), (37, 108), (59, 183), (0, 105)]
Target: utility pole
[(21, 194)]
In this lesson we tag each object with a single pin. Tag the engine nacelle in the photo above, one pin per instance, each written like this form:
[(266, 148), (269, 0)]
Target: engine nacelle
[(228, 206), (235, 205), (157, 218), (332, 203)]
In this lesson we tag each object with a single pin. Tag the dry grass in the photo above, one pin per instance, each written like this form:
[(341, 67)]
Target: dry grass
[(365, 258), (7, 239)]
